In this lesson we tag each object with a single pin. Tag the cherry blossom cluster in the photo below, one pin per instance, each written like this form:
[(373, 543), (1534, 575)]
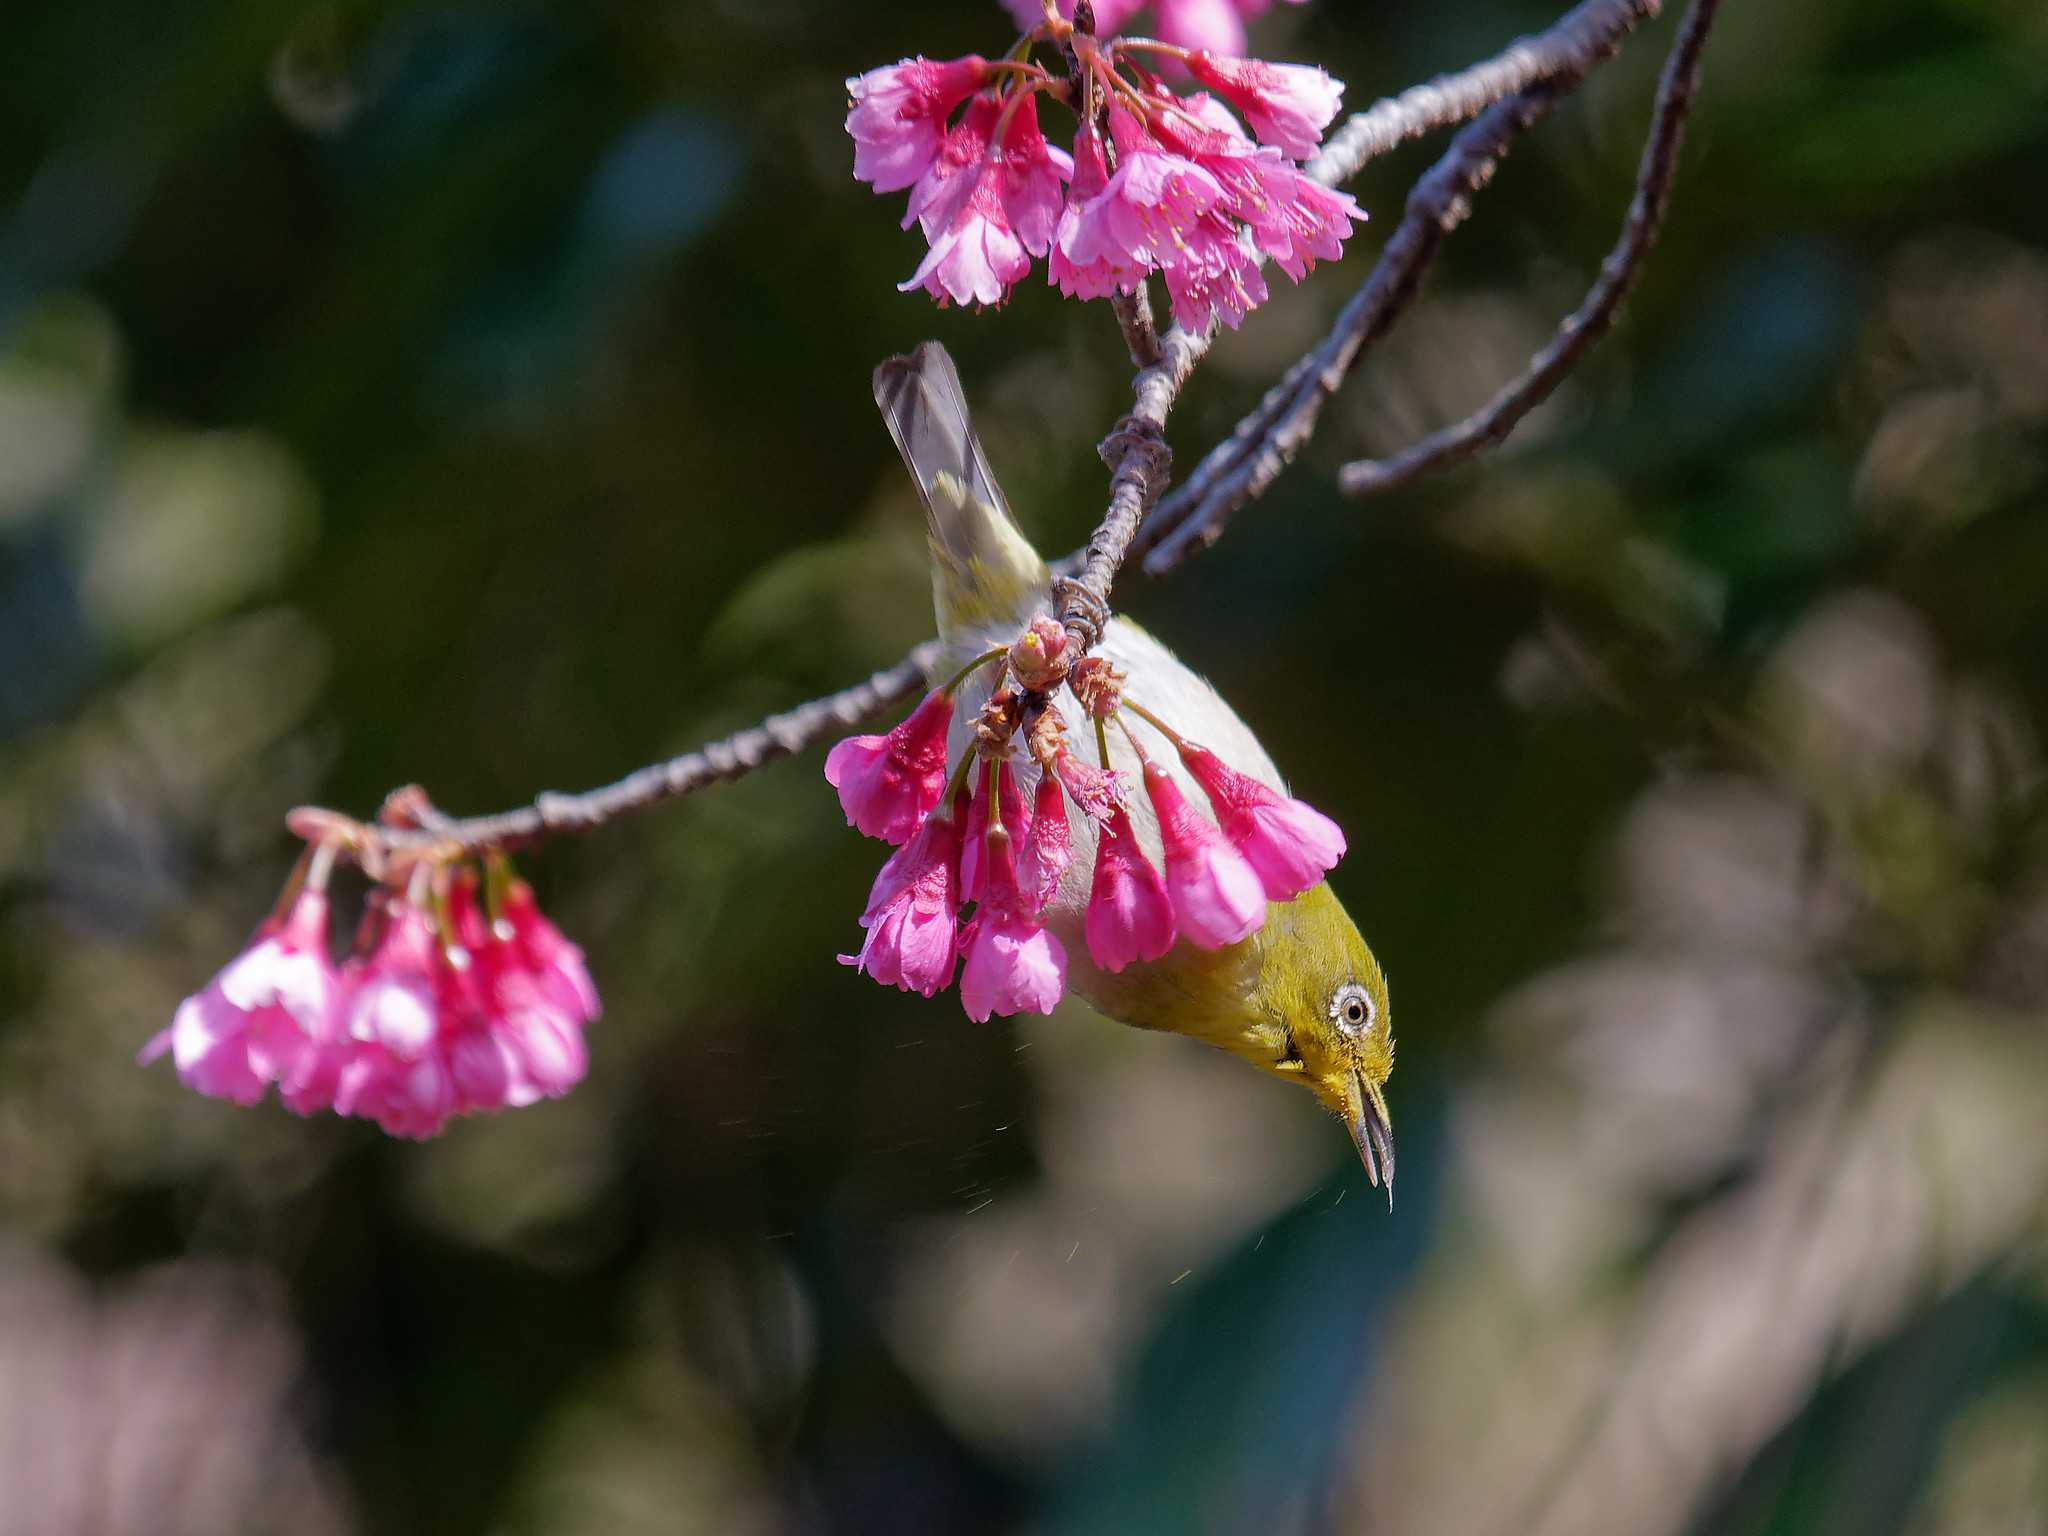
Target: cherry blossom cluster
[(976, 867), (459, 998), (1157, 181)]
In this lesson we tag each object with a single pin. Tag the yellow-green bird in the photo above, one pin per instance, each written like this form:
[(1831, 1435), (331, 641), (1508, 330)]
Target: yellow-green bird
[(1303, 997)]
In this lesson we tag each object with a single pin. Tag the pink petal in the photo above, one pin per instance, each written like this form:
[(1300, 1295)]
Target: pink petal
[(1217, 897), (1130, 916)]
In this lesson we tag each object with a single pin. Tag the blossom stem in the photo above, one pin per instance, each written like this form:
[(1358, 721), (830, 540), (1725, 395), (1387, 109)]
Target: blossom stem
[(1155, 722), (293, 884), (968, 671), (1102, 742), (1035, 73), (954, 785), (321, 865), (992, 825), (1151, 45), (1137, 746)]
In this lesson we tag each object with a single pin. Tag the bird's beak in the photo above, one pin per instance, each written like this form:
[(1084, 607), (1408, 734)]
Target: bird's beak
[(1373, 1133)]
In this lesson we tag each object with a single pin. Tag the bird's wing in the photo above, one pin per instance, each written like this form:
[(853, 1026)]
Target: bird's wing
[(984, 571)]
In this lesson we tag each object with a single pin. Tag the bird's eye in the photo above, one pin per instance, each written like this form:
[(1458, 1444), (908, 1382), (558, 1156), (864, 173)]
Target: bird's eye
[(1352, 1008)]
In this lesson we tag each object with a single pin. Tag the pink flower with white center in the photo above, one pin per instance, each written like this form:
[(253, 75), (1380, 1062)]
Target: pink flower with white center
[(1130, 916), (913, 911), (974, 831), (1217, 896), (899, 116), (266, 1017), (1291, 845), (1051, 848), (1287, 105), (1013, 964), (1142, 216), (887, 783), (1216, 278)]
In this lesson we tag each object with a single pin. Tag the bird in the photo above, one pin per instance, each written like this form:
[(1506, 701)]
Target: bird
[(1303, 997)]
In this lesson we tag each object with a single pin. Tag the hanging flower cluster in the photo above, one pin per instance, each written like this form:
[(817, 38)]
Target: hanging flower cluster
[(454, 1001), (969, 844), (1157, 182)]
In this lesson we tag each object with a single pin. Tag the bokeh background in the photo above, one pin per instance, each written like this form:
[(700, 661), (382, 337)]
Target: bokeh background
[(478, 395)]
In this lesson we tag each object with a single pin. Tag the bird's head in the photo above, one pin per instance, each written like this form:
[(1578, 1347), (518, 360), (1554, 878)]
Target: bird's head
[(1319, 1015)]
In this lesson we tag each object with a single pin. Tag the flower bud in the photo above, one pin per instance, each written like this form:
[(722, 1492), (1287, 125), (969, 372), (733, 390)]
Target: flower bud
[(1038, 658)]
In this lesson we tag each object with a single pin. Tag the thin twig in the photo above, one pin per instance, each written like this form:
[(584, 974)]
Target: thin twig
[(740, 753), (1239, 469), (1455, 98), (1577, 333)]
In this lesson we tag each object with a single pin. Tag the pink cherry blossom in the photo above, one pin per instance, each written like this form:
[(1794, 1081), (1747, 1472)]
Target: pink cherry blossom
[(887, 783), (1051, 848), (1287, 105), (1098, 791), (1140, 217), (411, 1098), (1216, 277), (913, 910), (394, 994), (984, 205), (1217, 896), (1033, 179), (1104, 272), (899, 116), (518, 1046), (1013, 964), (974, 832), (539, 948), (494, 1022), (265, 1018), (1130, 916), (1312, 223), (1290, 844), (1293, 219)]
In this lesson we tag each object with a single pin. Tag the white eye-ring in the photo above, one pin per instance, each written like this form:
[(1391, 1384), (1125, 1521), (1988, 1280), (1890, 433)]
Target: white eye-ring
[(1352, 1009)]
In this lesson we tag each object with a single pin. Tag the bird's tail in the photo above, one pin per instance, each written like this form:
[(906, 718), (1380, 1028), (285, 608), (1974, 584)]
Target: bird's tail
[(984, 571)]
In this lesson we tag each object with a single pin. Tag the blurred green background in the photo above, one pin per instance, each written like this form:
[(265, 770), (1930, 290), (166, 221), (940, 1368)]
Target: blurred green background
[(478, 395)]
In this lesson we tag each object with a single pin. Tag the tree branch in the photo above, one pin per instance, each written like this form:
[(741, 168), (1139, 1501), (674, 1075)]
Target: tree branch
[(1580, 330), (731, 757), (1134, 317), (1574, 41), (1135, 450), (1240, 468)]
